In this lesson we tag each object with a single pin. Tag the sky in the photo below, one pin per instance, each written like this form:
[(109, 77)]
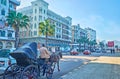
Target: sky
[(101, 15)]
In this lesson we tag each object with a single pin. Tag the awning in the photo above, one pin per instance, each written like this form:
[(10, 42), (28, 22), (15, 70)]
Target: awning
[(59, 45)]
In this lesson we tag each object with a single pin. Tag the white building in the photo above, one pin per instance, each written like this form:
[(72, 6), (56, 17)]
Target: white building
[(37, 13), (117, 43), (7, 34), (77, 33), (91, 34)]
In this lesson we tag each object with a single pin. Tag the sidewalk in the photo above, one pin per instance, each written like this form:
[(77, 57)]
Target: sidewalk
[(105, 67)]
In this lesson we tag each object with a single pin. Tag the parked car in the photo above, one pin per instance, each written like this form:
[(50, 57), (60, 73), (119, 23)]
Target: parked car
[(92, 50), (5, 58), (65, 52), (98, 51), (103, 51), (86, 52), (73, 52)]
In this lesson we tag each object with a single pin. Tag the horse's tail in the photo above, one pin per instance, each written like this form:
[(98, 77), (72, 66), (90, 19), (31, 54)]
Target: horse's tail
[(60, 54)]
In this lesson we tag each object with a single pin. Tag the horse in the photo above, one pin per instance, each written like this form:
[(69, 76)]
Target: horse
[(55, 59)]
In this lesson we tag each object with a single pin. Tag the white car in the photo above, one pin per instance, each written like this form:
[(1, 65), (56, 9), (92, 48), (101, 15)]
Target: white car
[(5, 58)]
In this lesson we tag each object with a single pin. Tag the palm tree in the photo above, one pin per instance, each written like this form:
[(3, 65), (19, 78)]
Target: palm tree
[(17, 21), (94, 43), (80, 41), (47, 29), (83, 40), (101, 45), (90, 43)]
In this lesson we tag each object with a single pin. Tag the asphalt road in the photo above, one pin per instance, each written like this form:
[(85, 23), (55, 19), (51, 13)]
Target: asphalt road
[(68, 63), (104, 67)]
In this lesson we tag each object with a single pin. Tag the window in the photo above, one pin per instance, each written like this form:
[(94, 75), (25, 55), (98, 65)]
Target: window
[(3, 2), (35, 10), (31, 33), (35, 18), (3, 33), (59, 25), (35, 4), (1, 45), (40, 18), (44, 18), (9, 34), (35, 26), (31, 26), (2, 12), (25, 33), (44, 11), (10, 5), (0, 33), (35, 32), (40, 10), (9, 45)]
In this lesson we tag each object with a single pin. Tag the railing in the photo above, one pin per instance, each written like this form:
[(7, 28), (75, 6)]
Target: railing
[(7, 38), (17, 2)]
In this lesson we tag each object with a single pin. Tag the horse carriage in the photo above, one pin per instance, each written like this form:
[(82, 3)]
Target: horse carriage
[(26, 66)]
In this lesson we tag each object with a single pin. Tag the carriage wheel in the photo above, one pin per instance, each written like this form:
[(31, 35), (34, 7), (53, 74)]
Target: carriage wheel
[(30, 72), (49, 72), (11, 72)]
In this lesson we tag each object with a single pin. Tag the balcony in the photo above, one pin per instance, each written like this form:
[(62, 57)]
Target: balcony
[(7, 38), (7, 35), (17, 2)]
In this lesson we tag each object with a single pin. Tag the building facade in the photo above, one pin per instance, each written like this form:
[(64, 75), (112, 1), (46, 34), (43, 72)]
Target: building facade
[(91, 34), (38, 12), (77, 33), (7, 34)]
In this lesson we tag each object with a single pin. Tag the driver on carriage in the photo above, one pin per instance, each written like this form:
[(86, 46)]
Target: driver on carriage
[(43, 56), (43, 53)]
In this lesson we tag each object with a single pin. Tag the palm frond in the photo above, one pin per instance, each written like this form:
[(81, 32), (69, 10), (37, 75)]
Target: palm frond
[(17, 20)]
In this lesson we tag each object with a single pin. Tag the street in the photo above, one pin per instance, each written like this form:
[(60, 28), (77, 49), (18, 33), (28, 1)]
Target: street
[(105, 67), (96, 66), (69, 62), (35, 34)]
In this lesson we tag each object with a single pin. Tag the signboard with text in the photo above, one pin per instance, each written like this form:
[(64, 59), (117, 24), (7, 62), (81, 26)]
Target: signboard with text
[(110, 43)]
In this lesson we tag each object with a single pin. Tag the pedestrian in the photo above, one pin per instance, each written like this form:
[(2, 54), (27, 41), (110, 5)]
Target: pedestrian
[(111, 51)]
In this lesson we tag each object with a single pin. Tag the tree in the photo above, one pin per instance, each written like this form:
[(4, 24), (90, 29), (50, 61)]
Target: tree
[(92, 43), (101, 44), (83, 40), (116, 46), (17, 21), (80, 41), (47, 29)]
